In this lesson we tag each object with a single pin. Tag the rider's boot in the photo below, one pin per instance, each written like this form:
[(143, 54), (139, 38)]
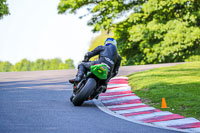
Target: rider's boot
[(77, 79), (79, 75)]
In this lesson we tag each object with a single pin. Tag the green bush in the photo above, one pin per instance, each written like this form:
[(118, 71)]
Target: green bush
[(193, 58)]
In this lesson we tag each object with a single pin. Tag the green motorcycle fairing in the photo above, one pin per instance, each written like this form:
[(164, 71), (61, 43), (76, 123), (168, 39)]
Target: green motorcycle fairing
[(100, 70)]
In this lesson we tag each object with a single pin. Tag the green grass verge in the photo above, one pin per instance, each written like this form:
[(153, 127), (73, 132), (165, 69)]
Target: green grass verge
[(179, 85)]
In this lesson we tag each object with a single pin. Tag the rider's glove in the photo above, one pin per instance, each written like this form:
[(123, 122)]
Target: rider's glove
[(86, 58)]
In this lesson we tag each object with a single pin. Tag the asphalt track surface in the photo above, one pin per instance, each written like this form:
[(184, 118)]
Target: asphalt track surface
[(38, 102)]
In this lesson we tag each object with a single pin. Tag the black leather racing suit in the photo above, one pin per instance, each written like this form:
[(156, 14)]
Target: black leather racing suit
[(107, 55)]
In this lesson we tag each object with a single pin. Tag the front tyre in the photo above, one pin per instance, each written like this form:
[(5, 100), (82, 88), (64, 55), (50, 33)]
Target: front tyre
[(71, 98), (85, 92)]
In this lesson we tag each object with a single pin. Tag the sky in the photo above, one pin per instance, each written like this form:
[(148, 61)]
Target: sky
[(34, 30)]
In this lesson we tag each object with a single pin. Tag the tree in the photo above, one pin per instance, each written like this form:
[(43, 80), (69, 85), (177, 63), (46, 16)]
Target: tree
[(5, 66), (23, 65), (104, 12), (98, 40), (3, 9), (55, 63), (39, 64), (161, 31), (69, 64), (47, 65), (155, 31)]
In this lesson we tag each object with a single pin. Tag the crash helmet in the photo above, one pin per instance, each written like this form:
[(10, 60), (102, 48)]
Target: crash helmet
[(110, 41)]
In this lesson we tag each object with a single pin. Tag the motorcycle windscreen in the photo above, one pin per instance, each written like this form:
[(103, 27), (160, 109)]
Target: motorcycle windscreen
[(100, 70)]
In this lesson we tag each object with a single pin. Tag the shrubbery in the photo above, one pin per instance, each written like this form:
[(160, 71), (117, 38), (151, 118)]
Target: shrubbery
[(193, 58)]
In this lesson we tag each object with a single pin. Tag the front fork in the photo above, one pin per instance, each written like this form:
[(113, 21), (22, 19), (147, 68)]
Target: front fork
[(78, 86)]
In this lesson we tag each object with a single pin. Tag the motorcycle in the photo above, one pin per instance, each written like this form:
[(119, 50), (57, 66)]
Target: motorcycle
[(91, 85)]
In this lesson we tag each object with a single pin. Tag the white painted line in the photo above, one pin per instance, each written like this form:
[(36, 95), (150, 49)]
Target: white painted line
[(176, 122), (128, 88), (116, 95), (146, 116), (134, 110), (120, 78), (121, 99), (118, 90), (126, 105), (194, 130), (116, 85)]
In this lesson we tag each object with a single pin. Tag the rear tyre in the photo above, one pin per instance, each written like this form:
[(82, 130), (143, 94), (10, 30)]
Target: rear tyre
[(85, 92)]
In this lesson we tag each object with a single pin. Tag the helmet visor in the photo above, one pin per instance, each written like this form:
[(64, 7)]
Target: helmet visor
[(110, 41)]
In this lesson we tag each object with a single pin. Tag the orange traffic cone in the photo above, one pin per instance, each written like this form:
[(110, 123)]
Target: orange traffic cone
[(164, 105)]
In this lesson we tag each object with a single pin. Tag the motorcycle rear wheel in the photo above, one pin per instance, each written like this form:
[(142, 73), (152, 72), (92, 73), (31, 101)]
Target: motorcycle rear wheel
[(85, 92)]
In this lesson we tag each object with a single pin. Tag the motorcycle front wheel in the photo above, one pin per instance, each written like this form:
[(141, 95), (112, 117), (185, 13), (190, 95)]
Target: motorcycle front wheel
[(85, 92)]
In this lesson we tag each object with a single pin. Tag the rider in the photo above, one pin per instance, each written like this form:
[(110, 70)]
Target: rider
[(108, 55)]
